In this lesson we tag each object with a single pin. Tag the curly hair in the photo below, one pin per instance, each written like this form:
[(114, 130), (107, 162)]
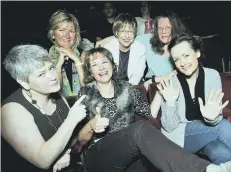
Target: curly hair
[(177, 27), (88, 78)]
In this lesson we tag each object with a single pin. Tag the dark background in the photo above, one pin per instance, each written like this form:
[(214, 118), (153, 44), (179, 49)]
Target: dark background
[(26, 22)]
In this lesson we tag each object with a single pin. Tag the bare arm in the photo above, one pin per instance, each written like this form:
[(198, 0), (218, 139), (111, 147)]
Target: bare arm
[(25, 138), (59, 67), (79, 67), (59, 72)]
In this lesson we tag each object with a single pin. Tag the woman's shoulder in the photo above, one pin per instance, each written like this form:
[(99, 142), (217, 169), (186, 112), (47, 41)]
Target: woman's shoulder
[(14, 97), (211, 72), (138, 45), (86, 89)]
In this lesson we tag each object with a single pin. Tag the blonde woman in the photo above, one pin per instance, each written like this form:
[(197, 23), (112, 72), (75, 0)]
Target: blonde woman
[(64, 32)]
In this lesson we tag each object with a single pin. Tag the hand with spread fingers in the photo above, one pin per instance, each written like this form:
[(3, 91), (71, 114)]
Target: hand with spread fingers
[(159, 78), (63, 162), (170, 75), (98, 123), (213, 106), (167, 90)]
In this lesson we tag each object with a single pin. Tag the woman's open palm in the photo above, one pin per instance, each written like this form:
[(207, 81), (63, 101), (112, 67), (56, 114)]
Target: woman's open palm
[(167, 90), (213, 105)]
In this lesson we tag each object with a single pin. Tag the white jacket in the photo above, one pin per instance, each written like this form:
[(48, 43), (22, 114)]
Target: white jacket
[(137, 59)]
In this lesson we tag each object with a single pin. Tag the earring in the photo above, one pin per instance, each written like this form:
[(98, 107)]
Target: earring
[(32, 100)]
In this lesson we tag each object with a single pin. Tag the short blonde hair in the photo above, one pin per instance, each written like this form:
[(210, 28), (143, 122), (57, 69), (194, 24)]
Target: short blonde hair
[(59, 17), (122, 20)]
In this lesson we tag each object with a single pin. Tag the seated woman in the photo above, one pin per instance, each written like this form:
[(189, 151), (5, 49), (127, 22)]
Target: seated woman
[(129, 55), (166, 26), (64, 33), (36, 121), (113, 140), (191, 103)]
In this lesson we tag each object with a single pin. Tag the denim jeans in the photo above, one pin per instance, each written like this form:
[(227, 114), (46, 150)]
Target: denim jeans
[(116, 151), (212, 141)]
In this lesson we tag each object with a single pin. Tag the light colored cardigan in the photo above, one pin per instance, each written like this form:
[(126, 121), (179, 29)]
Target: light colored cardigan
[(173, 118), (137, 59)]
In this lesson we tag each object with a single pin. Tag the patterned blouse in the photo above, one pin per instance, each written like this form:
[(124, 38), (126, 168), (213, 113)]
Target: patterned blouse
[(121, 109)]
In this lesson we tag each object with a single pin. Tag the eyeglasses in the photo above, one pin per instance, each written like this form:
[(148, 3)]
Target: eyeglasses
[(167, 29), (130, 32)]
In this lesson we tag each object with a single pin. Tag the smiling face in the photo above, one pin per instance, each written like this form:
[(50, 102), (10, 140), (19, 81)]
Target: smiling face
[(44, 79), (101, 68), (164, 30), (65, 35), (185, 58), (126, 36)]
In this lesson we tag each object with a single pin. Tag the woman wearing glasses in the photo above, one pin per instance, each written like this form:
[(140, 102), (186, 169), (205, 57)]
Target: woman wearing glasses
[(129, 55), (166, 26)]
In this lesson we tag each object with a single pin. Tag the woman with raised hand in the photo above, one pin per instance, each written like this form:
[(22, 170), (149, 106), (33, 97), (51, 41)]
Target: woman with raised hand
[(113, 140), (191, 103), (36, 121), (166, 26)]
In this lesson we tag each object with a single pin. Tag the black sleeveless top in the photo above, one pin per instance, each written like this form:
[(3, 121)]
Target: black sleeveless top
[(11, 160)]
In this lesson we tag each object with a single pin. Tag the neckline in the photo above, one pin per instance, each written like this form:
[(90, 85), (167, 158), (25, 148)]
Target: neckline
[(30, 104)]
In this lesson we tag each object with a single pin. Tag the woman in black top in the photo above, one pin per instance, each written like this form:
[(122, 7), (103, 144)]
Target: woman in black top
[(37, 122), (114, 142)]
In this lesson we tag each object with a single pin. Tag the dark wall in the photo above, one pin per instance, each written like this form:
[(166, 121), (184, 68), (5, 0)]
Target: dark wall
[(26, 22)]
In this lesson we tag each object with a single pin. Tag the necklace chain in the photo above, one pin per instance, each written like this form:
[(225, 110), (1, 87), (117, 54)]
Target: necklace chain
[(34, 102)]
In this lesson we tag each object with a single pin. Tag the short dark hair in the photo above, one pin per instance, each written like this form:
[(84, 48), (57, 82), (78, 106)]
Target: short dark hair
[(88, 78), (195, 42)]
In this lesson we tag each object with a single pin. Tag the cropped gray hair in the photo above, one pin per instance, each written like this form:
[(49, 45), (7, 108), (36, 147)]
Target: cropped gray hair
[(60, 17), (23, 59)]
